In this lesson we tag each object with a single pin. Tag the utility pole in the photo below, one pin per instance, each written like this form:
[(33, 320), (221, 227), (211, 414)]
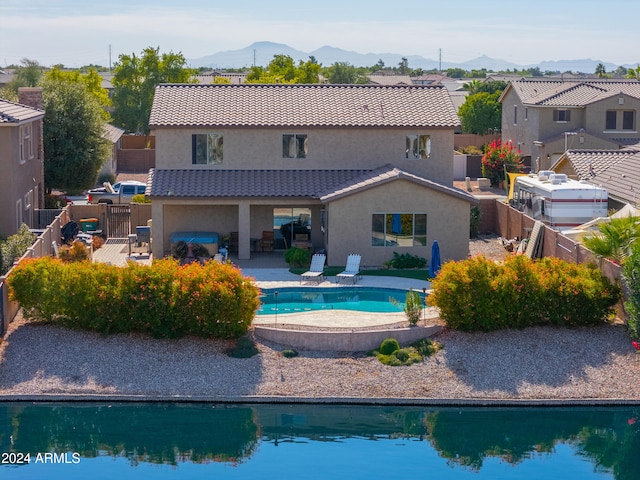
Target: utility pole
[(109, 58), (439, 60)]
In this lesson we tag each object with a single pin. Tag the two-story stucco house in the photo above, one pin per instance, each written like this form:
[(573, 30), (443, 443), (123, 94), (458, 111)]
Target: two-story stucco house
[(368, 168), (21, 164), (544, 118)]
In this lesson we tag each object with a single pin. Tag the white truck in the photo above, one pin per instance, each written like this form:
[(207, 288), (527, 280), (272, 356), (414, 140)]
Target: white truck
[(121, 192), (558, 201)]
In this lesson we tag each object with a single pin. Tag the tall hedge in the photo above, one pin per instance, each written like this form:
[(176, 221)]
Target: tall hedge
[(479, 294), (164, 300)]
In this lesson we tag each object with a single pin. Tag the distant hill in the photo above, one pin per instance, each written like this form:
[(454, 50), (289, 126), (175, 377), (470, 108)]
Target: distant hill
[(261, 53)]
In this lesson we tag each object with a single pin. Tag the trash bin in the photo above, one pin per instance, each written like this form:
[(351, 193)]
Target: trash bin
[(89, 224), (143, 234)]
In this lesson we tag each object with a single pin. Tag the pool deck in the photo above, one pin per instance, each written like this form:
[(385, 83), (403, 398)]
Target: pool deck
[(336, 319)]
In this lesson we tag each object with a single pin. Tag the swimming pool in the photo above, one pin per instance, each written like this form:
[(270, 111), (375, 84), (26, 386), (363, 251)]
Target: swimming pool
[(309, 299)]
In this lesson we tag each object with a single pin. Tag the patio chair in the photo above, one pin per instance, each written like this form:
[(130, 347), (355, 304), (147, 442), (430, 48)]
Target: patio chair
[(352, 270), (316, 270), (266, 242)]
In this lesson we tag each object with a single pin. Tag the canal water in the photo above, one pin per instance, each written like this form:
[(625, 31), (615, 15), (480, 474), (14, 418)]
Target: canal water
[(248, 441)]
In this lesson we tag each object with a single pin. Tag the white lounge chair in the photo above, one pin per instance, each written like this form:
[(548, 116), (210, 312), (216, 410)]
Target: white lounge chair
[(352, 270), (316, 270)]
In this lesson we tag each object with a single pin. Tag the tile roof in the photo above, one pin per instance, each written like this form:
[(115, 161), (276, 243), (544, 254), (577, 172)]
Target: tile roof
[(599, 160), (390, 79), (573, 93), (11, 112), (324, 185), (317, 105), (618, 171), (111, 133)]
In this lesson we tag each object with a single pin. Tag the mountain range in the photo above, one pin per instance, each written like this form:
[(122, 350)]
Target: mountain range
[(261, 53)]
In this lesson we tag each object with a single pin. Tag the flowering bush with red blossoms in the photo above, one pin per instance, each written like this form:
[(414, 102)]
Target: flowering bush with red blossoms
[(496, 156)]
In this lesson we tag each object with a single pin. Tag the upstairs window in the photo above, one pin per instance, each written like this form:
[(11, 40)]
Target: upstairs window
[(294, 146), (418, 146), (515, 114), (628, 119), (206, 149), (562, 116), (28, 141)]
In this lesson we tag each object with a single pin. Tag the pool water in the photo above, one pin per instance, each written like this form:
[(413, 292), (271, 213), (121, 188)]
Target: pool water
[(304, 299), (244, 441)]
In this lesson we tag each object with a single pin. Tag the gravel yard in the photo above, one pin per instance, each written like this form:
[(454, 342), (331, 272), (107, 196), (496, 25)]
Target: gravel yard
[(533, 364)]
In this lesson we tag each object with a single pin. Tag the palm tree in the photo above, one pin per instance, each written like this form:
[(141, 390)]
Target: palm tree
[(601, 71), (615, 238)]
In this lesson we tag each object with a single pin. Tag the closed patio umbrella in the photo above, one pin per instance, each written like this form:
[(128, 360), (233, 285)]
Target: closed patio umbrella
[(396, 225), (434, 267)]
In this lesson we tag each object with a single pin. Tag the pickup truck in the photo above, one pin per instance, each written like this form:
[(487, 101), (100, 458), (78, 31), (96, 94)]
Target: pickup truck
[(121, 192)]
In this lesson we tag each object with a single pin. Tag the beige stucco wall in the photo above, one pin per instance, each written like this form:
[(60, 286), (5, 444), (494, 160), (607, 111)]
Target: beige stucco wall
[(250, 219), (349, 222), (328, 148), (18, 179)]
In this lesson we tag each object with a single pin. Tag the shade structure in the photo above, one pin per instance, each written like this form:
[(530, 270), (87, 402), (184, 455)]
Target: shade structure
[(434, 266)]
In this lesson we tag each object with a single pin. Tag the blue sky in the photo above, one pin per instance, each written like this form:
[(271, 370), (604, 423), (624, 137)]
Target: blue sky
[(79, 32)]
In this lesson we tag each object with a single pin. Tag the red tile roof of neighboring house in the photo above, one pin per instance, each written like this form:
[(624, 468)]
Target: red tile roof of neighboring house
[(11, 112), (317, 105), (317, 184)]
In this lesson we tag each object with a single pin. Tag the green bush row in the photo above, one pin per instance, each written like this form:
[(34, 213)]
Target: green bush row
[(479, 294), (164, 300)]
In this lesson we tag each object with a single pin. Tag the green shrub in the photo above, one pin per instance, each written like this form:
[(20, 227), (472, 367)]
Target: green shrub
[(106, 177), (427, 347), (401, 357), (413, 307), (631, 276), (14, 247), (245, 348), (388, 346), (405, 260), (290, 353), (164, 300), (478, 294), (297, 257), (140, 198), (76, 252)]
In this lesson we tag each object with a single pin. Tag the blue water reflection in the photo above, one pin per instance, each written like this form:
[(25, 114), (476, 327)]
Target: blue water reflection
[(127, 441)]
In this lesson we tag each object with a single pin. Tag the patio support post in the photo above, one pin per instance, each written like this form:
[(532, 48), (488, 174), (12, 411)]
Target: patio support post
[(244, 230)]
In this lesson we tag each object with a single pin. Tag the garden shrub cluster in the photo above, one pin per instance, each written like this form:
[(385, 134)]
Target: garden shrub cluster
[(390, 353), (406, 260), (478, 294), (14, 246), (164, 300)]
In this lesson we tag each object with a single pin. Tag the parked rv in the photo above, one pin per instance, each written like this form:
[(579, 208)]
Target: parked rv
[(557, 200)]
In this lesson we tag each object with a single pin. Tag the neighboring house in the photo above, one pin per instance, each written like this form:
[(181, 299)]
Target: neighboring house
[(212, 77), (544, 118), (21, 162), (618, 171), (368, 167), (114, 136), (386, 79)]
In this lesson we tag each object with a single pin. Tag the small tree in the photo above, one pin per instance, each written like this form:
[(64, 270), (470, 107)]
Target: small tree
[(73, 136), (481, 112), (497, 156)]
